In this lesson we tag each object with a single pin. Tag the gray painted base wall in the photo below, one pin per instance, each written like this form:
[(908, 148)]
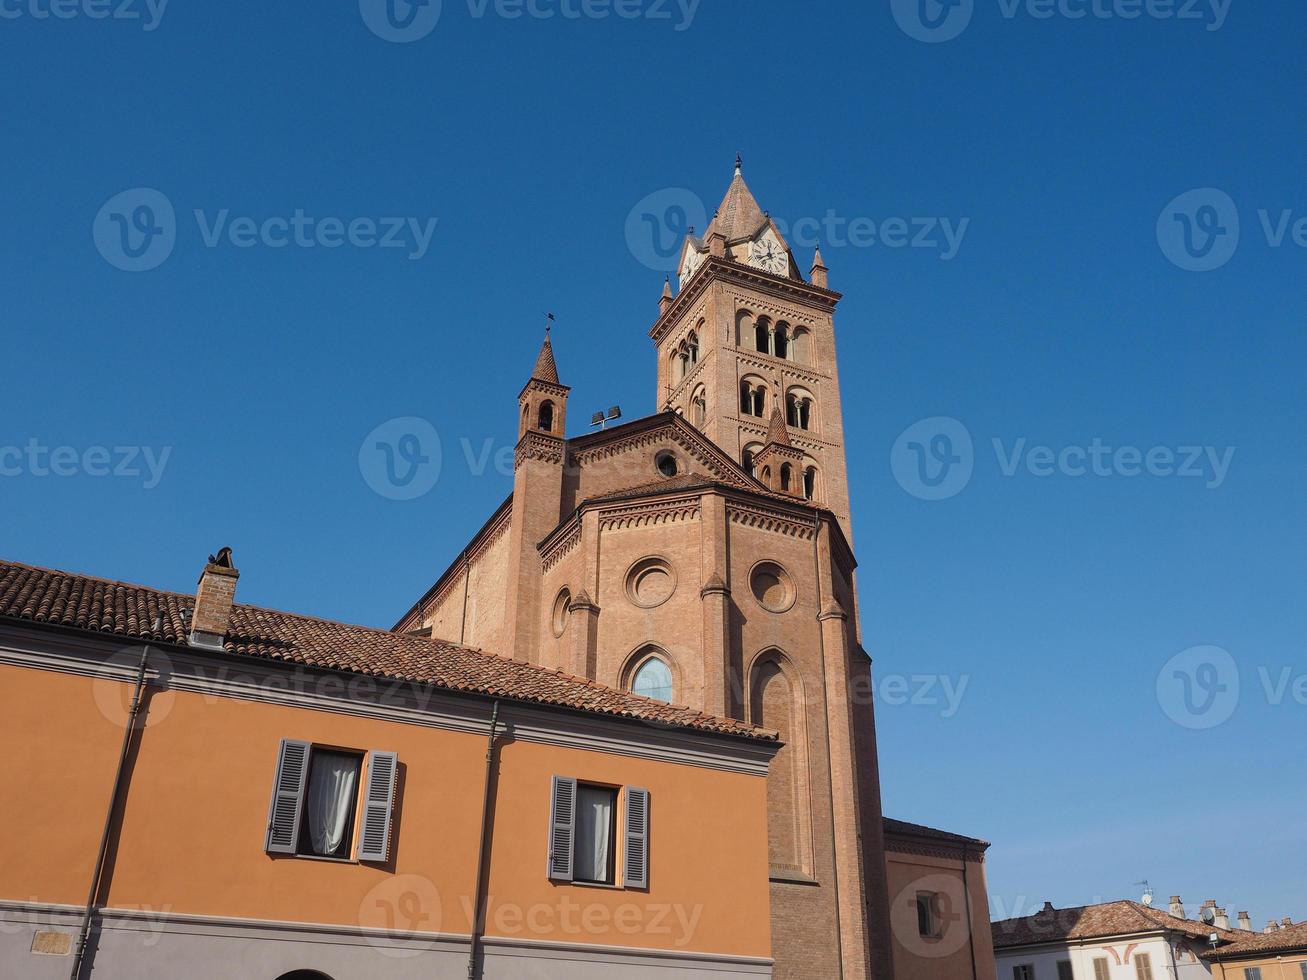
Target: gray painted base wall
[(140, 946)]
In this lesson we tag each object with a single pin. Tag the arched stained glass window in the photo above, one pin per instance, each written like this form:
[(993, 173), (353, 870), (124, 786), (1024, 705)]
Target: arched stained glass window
[(653, 680)]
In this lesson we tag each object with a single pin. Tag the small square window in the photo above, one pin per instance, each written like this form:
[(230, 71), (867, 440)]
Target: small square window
[(330, 802), (1064, 971), (1253, 973), (596, 834), (1024, 971)]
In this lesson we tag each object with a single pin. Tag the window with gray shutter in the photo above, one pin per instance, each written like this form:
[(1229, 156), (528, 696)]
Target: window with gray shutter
[(562, 828), (1064, 971), (1101, 969), (635, 861), (287, 797), (1025, 971), (1253, 973), (378, 804), (1143, 966)]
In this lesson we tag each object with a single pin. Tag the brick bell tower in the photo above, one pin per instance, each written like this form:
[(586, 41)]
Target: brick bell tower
[(746, 353), (761, 340)]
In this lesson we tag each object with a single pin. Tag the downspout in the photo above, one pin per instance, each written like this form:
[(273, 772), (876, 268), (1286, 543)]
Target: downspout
[(84, 932), (971, 932), (1170, 948), (478, 915), (830, 763)]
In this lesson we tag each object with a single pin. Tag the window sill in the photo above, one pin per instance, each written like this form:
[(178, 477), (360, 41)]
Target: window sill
[(784, 876), (320, 857), (596, 884)]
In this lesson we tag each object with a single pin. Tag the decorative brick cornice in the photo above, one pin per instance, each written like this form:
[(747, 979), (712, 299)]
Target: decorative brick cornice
[(548, 387), (560, 544), (538, 445), (674, 511), (769, 520), (935, 849), (716, 269)]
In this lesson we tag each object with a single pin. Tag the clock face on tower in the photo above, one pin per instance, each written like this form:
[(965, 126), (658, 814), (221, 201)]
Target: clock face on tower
[(768, 256)]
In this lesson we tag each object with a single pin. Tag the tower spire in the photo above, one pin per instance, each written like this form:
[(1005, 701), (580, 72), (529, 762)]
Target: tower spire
[(739, 165), (546, 368)]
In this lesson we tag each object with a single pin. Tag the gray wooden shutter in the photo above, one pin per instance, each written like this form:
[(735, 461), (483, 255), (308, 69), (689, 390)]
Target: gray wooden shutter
[(562, 828), (378, 804), (635, 863), (287, 797)]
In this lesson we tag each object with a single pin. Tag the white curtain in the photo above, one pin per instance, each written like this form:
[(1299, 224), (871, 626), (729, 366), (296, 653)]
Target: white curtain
[(594, 828), (331, 798)]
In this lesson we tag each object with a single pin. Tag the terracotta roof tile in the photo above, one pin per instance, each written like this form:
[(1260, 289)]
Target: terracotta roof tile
[(1098, 921), (904, 829), (1292, 937), (39, 595)]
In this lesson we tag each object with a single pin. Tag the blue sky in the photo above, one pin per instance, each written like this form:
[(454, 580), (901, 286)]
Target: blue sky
[(1053, 603)]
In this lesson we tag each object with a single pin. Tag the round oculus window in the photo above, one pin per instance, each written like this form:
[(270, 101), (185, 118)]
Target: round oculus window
[(772, 587), (561, 612), (650, 582)]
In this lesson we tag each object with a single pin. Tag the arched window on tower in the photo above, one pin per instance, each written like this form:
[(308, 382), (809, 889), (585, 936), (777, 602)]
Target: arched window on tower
[(798, 409), (781, 340), (801, 346), (786, 476), (545, 420), (692, 347), (699, 406), (810, 483), (762, 336), (749, 456)]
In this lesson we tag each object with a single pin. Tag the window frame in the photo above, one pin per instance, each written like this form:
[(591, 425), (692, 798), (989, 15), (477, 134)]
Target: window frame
[(618, 793), (931, 926), (1023, 971), (1143, 966)]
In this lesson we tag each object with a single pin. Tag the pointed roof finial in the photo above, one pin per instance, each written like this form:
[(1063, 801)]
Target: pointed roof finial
[(546, 369), (739, 164), (776, 431), (667, 287), (817, 263)]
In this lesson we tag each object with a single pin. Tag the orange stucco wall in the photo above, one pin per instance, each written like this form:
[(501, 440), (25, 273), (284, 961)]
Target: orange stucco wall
[(949, 957), (191, 836)]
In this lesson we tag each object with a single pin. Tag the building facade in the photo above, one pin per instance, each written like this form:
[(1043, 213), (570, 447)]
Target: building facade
[(1122, 940), (703, 554), (664, 766), (300, 799)]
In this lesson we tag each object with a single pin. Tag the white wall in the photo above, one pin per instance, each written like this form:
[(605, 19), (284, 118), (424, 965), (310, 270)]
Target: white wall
[(1082, 955)]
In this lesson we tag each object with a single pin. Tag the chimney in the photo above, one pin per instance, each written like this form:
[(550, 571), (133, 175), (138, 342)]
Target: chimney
[(1270, 926), (1286, 922), (213, 601), (1207, 913), (1177, 907), (1048, 907), (1221, 920), (1245, 922)]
